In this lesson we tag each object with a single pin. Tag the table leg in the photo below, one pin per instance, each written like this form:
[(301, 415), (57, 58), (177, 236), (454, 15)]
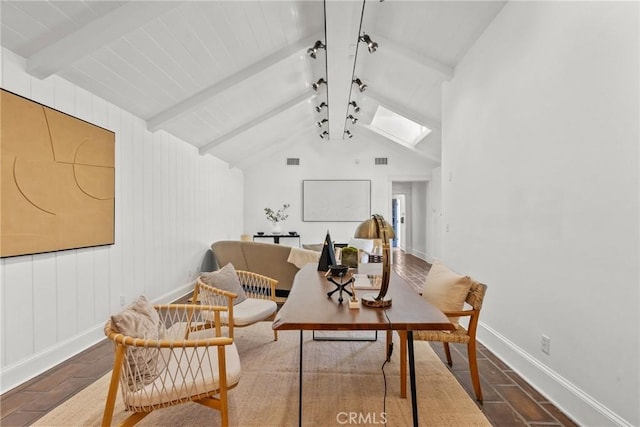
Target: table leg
[(403, 364), (300, 384), (276, 240), (412, 378)]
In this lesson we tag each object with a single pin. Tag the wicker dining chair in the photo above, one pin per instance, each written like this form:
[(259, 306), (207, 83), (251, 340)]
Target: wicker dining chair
[(259, 305), (181, 357), (460, 335)]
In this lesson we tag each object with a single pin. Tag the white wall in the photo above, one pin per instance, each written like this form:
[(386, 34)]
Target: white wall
[(541, 134), (171, 204), (270, 183), (434, 216)]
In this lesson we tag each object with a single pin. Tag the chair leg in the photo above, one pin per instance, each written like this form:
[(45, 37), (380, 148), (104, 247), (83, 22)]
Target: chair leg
[(113, 386), (473, 369), (134, 419), (275, 335), (447, 351)]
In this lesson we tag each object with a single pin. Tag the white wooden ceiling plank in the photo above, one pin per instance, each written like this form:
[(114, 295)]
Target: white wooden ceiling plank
[(279, 109), (19, 28), (104, 84), (245, 47), (216, 59), (165, 64), (263, 38), (280, 25), (94, 35), (172, 52), (219, 23), (193, 33), (205, 95), (143, 72), (42, 12)]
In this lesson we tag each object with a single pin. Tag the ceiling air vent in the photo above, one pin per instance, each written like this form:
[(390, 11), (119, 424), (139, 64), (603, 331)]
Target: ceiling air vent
[(381, 161), (293, 161)]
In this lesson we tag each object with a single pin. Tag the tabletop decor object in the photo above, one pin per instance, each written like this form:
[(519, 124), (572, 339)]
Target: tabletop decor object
[(276, 217), (339, 271), (349, 256), (377, 228), (328, 255)]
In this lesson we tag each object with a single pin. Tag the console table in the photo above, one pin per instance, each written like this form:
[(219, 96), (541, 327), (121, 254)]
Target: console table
[(276, 237)]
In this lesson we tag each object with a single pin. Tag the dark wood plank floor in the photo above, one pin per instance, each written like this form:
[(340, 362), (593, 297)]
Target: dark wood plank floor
[(508, 399)]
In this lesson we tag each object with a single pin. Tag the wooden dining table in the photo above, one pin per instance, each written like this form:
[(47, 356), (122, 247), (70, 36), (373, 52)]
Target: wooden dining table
[(308, 307)]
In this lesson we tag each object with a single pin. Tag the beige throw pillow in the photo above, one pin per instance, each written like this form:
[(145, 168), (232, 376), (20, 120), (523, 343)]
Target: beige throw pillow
[(226, 279), (140, 320), (446, 289)]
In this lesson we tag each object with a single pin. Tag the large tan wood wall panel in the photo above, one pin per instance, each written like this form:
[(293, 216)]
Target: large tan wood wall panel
[(58, 177)]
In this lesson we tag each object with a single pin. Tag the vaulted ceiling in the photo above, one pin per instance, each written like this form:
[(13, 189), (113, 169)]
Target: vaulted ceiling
[(233, 78)]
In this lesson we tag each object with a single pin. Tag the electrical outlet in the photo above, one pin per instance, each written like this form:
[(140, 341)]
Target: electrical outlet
[(546, 344)]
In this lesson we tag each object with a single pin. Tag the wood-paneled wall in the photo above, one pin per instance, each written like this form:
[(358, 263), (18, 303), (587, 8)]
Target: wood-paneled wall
[(171, 204)]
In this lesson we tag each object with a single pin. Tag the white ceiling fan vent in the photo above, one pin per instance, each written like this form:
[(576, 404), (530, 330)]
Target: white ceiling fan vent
[(381, 161), (293, 161)]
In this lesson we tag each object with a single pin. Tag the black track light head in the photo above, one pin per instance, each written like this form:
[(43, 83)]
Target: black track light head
[(361, 86), (317, 84), (313, 51), (371, 45)]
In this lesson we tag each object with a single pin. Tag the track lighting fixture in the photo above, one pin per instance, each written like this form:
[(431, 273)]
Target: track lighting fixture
[(348, 133), (324, 134), (353, 119), (361, 85), (321, 122), (317, 84), (355, 106), (312, 51), (371, 45), (321, 106)]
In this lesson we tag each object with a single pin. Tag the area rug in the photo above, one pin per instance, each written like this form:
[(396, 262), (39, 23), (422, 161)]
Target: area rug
[(343, 385)]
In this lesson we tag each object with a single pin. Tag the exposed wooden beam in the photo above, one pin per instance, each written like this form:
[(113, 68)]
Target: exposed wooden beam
[(196, 101), (423, 119), (237, 131), (95, 35)]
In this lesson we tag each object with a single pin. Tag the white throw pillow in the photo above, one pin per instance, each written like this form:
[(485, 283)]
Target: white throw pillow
[(140, 320), (226, 279), (446, 289)]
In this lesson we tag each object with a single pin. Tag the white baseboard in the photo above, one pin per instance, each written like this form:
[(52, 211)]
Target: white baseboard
[(570, 399), (13, 375)]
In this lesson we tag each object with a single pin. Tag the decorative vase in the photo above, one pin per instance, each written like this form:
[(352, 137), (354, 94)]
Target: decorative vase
[(276, 229)]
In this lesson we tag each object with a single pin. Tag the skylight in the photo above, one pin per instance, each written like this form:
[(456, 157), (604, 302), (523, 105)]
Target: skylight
[(398, 128)]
